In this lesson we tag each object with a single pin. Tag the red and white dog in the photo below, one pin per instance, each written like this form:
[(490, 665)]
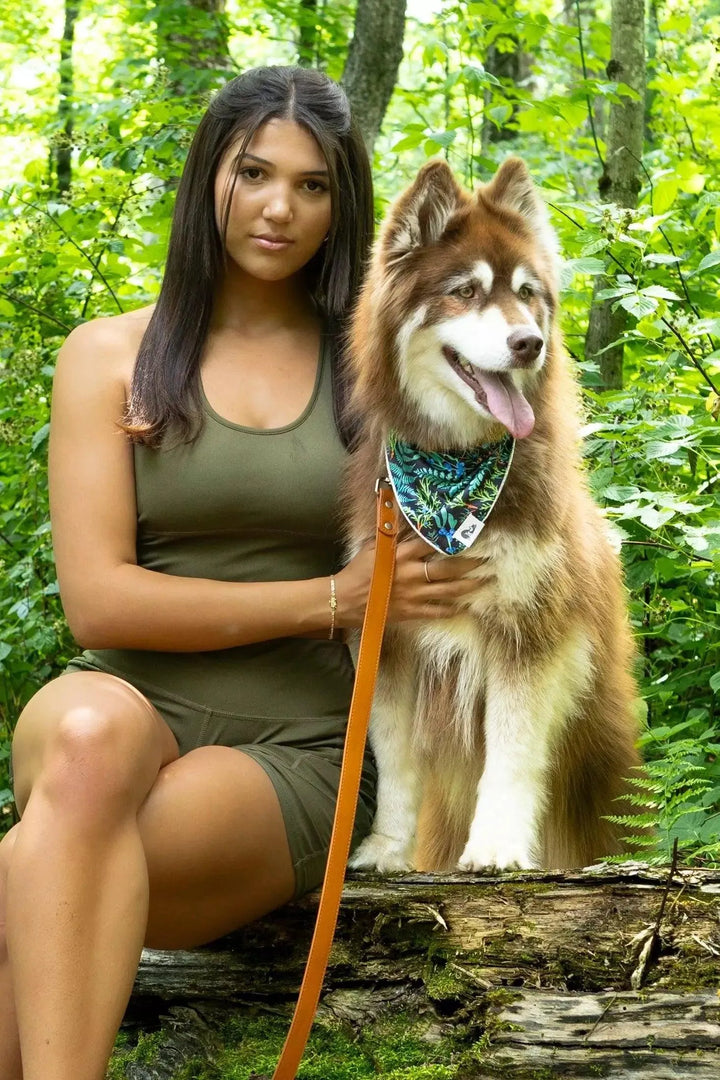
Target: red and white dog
[(504, 734)]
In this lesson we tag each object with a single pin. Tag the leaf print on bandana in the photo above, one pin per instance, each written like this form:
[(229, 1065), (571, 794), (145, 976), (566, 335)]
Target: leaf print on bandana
[(439, 492)]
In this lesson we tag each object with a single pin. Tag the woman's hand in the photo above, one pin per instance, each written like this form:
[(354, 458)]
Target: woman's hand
[(424, 587)]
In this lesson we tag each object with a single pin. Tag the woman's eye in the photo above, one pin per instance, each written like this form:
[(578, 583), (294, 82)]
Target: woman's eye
[(317, 186), (250, 169), (466, 291), (525, 292)]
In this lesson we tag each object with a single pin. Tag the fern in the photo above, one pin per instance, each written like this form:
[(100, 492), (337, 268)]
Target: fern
[(678, 796)]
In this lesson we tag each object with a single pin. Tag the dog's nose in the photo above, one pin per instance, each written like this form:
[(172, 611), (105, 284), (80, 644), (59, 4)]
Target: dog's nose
[(525, 346)]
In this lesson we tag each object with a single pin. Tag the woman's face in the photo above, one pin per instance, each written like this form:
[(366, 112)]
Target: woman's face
[(281, 190)]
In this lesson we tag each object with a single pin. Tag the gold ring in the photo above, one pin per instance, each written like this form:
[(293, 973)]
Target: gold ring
[(427, 576)]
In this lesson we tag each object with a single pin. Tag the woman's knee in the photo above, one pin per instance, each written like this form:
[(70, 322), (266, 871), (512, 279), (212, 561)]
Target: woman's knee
[(90, 740)]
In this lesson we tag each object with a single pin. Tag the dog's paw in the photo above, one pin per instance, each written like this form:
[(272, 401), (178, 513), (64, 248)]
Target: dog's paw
[(386, 854), (488, 855)]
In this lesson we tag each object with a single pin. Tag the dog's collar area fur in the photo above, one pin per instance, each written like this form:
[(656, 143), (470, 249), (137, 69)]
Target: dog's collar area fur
[(446, 497)]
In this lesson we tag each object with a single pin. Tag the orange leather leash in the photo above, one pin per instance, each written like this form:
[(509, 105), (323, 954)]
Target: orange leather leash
[(365, 676)]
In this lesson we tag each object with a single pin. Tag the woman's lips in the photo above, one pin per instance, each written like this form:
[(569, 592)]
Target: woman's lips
[(272, 245)]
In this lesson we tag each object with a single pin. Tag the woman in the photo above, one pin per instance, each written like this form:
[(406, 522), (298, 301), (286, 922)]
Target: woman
[(178, 780)]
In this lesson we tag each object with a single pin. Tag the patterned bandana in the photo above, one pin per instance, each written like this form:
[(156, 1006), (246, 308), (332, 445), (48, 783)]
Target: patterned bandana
[(446, 497)]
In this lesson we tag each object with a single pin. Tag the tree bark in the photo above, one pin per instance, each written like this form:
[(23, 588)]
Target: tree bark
[(61, 150), (620, 181), (508, 66), (372, 63), (192, 41), (307, 39), (599, 972)]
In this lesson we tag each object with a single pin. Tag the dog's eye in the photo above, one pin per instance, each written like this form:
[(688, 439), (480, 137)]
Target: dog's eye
[(466, 291), (525, 292)]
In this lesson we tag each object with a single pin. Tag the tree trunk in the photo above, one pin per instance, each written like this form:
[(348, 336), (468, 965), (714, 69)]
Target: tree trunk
[(620, 181), (307, 41), (607, 971), (192, 42), (61, 149), (372, 63), (510, 66)]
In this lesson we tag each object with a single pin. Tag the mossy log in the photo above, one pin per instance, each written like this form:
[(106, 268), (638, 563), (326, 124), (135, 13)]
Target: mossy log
[(608, 971)]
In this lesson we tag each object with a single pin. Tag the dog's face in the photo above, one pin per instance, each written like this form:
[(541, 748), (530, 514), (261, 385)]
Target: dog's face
[(464, 288)]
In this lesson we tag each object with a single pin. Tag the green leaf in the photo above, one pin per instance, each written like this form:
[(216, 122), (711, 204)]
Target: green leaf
[(443, 138), (620, 493), (40, 436), (710, 260), (660, 260), (586, 266), (499, 114), (618, 290), (595, 246), (637, 305), (715, 682), (655, 518), (661, 292), (664, 194), (409, 142), (661, 449)]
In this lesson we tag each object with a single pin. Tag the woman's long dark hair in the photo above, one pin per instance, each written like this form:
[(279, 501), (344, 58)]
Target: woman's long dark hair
[(165, 389)]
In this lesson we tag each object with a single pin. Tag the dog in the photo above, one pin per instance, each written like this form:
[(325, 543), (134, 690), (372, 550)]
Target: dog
[(504, 734)]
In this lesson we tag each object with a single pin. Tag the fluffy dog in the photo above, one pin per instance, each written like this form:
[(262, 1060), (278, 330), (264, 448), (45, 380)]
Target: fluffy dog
[(503, 734)]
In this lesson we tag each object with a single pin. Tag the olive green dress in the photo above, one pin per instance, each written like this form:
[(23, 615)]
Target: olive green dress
[(242, 504)]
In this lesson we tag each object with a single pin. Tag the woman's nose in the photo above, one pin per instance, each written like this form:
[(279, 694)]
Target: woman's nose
[(278, 205)]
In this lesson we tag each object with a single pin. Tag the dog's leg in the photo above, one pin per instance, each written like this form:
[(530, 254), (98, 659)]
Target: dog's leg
[(523, 719), (511, 792), (391, 843)]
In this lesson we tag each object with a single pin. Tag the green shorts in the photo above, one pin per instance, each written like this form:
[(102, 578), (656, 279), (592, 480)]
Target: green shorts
[(302, 757)]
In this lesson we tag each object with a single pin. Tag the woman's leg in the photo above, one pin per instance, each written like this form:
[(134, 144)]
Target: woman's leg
[(87, 750), (217, 854), (216, 848), (10, 1068), (209, 836)]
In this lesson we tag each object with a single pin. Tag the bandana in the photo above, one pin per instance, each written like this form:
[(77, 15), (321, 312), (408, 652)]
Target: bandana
[(447, 497)]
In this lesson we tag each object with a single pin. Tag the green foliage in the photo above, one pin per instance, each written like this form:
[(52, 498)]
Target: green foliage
[(652, 448), (677, 798)]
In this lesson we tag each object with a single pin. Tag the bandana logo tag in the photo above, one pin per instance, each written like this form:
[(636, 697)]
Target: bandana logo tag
[(468, 531)]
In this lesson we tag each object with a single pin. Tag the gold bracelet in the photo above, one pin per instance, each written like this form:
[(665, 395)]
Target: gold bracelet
[(333, 606)]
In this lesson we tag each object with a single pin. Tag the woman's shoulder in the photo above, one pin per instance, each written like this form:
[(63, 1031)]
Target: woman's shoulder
[(109, 345)]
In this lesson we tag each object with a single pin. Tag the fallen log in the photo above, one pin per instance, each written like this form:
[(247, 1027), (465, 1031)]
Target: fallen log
[(606, 971)]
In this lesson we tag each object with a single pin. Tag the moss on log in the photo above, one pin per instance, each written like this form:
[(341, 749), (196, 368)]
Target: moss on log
[(608, 971)]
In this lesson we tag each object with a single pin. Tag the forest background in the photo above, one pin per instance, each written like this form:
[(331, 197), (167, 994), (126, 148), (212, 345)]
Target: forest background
[(616, 109)]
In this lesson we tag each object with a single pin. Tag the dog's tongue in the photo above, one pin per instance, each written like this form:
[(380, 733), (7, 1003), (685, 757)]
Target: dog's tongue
[(506, 403)]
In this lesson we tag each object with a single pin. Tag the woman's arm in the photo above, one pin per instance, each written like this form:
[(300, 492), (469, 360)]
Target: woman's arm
[(112, 603)]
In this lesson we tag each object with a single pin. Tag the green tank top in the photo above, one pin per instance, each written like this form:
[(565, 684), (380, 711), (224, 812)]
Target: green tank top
[(242, 504)]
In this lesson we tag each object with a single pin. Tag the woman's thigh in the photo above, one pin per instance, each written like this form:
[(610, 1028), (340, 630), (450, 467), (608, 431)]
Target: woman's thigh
[(216, 847)]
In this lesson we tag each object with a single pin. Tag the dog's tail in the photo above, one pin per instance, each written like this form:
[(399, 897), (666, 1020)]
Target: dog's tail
[(590, 782)]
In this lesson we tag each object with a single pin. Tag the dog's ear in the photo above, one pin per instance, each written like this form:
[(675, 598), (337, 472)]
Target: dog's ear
[(512, 187), (421, 215)]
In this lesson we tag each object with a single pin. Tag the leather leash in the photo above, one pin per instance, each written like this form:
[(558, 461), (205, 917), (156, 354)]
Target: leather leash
[(364, 688)]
